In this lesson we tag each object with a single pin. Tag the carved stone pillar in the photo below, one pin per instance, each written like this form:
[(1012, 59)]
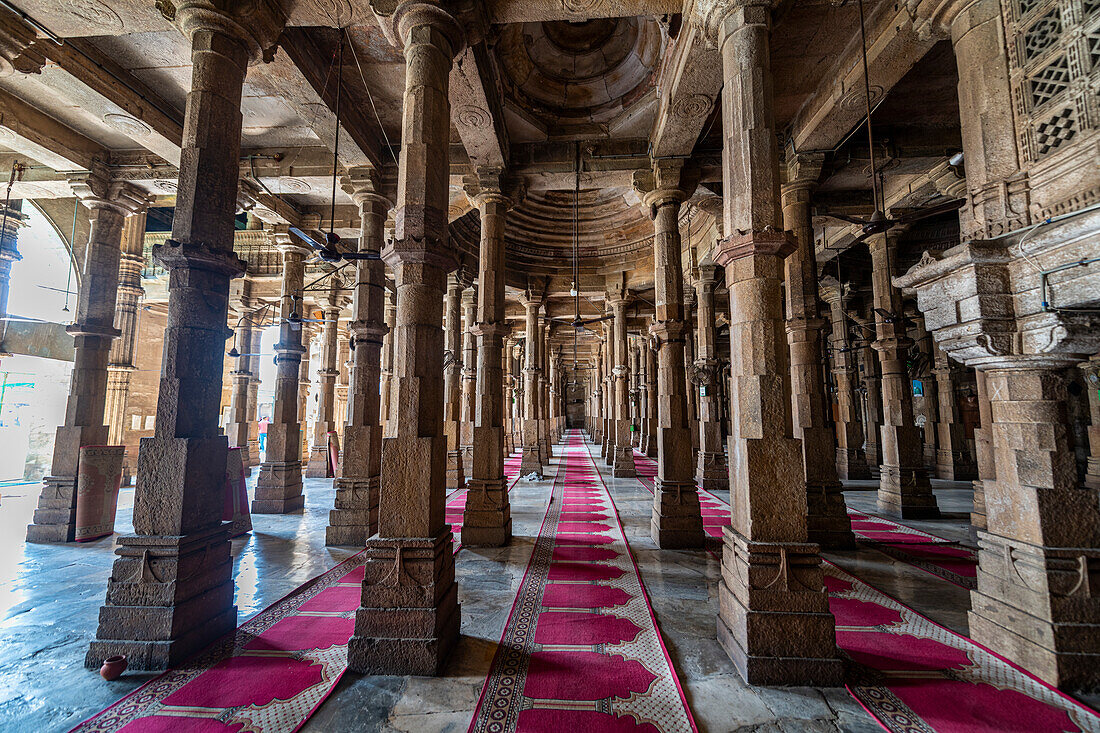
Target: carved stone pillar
[(93, 333), (343, 363), (120, 366), (239, 427), (923, 342), (597, 418), (774, 620), (487, 520), (355, 516), (387, 362), (689, 371), (555, 393), (953, 459), (452, 380), (171, 588), (711, 470), (983, 454), (279, 486), (827, 519), (308, 334), (409, 619), (623, 466), (608, 448), (254, 398), (469, 376), (904, 490), (319, 466), (649, 446), (676, 520), (872, 395), (851, 463), (1091, 371), (531, 461), (546, 451)]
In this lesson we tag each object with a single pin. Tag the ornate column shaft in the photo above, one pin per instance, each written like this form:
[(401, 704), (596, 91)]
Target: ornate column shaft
[(487, 520), (711, 470), (409, 619), (554, 390), (689, 370), (953, 459), (308, 336), (608, 447), (343, 363), (676, 520), (827, 521), (469, 375), (171, 588), (279, 485), (319, 465), (452, 380), (904, 490), (1091, 371), (93, 333), (254, 398), (531, 462), (623, 466), (238, 429), (354, 518), (872, 396), (851, 463), (774, 621), (650, 444), (546, 452), (387, 360), (930, 411), (597, 397), (983, 454)]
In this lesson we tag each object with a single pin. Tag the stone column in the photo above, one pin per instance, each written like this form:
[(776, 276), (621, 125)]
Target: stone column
[(623, 461), (303, 383), (689, 370), (676, 521), (354, 518), (120, 366), (171, 589), (238, 430), (487, 520), (387, 360), (279, 486), (923, 342), (851, 463), (546, 452), (409, 619), (597, 417), (318, 466), (93, 332), (953, 460), (9, 252), (469, 375), (343, 363), (872, 398), (254, 397), (711, 470), (608, 452), (1091, 371), (554, 390), (637, 405), (904, 490), (983, 454), (509, 387), (650, 445), (452, 380), (774, 620), (827, 519), (531, 461)]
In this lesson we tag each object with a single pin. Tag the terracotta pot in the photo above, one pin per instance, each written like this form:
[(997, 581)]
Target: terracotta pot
[(113, 667)]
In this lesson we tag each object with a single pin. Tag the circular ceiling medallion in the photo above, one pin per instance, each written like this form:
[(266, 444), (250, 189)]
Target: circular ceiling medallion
[(127, 125), (854, 99), (165, 185), (471, 116), (96, 13), (579, 6), (338, 12), (294, 185), (691, 107)]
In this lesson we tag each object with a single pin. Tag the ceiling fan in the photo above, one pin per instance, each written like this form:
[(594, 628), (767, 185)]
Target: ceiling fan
[(330, 250), (879, 223)]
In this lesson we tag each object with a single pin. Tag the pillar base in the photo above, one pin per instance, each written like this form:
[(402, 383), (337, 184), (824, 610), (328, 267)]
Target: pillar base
[(409, 618), (55, 517), (318, 465), (774, 620), (677, 521), (851, 465), (906, 493), (1039, 607), (355, 518), (623, 466), (487, 519), (167, 598), (529, 461), (712, 471), (279, 488)]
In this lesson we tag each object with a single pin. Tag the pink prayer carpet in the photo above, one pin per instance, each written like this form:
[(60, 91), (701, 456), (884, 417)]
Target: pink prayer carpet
[(581, 650), (911, 674), (934, 555)]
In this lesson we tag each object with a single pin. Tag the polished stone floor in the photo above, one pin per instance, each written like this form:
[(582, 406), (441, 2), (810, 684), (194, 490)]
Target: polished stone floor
[(50, 597)]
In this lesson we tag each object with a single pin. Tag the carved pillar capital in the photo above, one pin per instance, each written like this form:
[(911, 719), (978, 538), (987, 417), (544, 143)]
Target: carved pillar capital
[(255, 25)]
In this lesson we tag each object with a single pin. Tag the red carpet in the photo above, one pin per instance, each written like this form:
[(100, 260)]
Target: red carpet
[(910, 673), (935, 555), (270, 677), (581, 650)]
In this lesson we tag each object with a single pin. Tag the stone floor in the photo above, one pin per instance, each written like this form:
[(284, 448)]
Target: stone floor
[(50, 597)]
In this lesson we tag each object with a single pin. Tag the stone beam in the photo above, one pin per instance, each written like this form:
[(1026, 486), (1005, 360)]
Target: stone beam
[(476, 110), (43, 138), (523, 11), (897, 40), (688, 87)]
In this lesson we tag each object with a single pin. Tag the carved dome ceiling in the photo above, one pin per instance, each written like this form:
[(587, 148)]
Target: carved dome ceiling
[(580, 77)]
